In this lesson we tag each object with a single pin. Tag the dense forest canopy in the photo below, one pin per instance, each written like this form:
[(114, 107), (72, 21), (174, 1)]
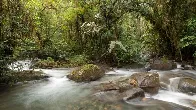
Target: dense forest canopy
[(113, 31)]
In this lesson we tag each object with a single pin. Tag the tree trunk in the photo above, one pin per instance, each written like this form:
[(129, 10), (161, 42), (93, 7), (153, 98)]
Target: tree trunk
[(1, 18)]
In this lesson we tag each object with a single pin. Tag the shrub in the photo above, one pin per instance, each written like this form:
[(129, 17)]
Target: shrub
[(78, 60), (49, 63)]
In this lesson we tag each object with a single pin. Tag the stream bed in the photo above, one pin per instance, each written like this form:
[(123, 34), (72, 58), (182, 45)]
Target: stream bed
[(60, 93)]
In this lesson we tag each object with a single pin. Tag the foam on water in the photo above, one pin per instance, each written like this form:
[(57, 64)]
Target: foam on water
[(175, 97), (20, 65), (58, 89)]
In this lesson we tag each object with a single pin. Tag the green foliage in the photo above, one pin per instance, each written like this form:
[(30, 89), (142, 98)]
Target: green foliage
[(168, 20), (194, 54), (78, 60), (190, 34), (115, 31), (49, 63), (164, 59), (114, 43), (75, 61), (188, 41), (89, 68), (12, 28)]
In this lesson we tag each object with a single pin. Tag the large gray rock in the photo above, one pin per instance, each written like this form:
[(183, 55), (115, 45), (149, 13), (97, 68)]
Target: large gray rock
[(163, 64), (167, 76), (128, 88), (149, 82), (183, 84), (186, 66), (187, 85)]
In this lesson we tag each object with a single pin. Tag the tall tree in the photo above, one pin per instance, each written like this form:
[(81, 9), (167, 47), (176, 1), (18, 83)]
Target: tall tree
[(169, 20)]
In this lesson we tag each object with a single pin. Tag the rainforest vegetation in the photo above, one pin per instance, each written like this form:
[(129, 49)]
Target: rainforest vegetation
[(98, 54), (116, 32)]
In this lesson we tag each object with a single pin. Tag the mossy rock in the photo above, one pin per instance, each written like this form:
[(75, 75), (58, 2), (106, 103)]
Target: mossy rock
[(13, 77), (86, 73)]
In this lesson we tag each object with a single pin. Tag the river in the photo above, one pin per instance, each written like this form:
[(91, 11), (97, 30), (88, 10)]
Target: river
[(59, 93)]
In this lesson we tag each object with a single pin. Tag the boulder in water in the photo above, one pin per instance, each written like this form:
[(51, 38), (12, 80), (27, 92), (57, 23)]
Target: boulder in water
[(187, 67), (163, 64), (149, 82), (187, 85), (86, 73), (183, 84)]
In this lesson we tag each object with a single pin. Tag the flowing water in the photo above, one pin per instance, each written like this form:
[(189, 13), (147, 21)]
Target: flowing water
[(59, 93)]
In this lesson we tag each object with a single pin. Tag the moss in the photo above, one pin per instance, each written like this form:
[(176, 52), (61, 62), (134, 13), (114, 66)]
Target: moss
[(78, 60), (86, 73), (164, 60)]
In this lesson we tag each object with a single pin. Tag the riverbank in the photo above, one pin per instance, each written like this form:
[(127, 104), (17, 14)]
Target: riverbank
[(18, 77)]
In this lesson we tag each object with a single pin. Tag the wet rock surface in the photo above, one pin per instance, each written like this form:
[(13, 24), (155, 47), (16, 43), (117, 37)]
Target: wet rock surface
[(109, 96), (154, 104), (183, 84), (107, 86), (163, 64), (149, 82), (115, 95), (134, 93), (187, 85), (166, 76), (128, 88)]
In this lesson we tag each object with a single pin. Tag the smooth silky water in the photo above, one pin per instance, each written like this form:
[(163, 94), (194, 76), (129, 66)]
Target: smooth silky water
[(59, 93)]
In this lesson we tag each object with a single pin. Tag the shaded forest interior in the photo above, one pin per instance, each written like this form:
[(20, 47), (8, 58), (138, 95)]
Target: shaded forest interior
[(117, 32)]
